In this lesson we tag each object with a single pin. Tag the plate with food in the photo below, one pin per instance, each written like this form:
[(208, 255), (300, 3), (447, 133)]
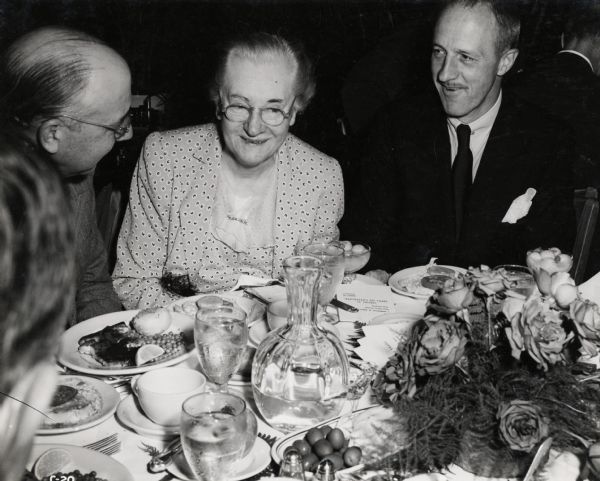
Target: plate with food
[(60, 461), (257, 459), (326, 440), (128, 342), (422, 281), (79, 402)]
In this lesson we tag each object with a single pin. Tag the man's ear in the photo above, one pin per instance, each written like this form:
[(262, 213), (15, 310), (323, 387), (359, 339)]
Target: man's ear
[(507, 60), (50, 133)]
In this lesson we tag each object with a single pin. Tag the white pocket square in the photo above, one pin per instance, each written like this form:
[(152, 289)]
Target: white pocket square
[(519, 207)]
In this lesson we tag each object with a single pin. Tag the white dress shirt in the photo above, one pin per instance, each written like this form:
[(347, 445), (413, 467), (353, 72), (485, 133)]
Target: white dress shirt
[(480, 132)]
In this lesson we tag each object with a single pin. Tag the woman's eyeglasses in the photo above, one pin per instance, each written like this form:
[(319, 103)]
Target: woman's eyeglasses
[(269, 115)]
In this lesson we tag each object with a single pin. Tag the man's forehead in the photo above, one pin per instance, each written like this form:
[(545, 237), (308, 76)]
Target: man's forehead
[(466, 26)]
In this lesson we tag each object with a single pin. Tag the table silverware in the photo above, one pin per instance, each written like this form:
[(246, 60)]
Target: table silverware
[(342, 305), (160, 461), (540, 458)]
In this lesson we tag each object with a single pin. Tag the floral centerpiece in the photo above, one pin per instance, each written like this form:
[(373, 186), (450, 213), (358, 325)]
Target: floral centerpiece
[(489, 373)]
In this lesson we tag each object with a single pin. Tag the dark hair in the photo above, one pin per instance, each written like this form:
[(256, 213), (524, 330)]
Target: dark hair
[(507, 14), (37, 267), (42, 72), (583, 20), (260, 44)]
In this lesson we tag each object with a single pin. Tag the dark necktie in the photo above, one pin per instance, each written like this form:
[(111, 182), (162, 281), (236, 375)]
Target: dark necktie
[(462, 171)]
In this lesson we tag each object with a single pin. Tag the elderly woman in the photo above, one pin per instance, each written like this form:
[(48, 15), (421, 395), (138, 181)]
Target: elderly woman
[(212, 202)]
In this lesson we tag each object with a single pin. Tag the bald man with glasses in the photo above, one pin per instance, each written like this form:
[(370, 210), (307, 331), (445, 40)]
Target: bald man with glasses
[(68, 95)]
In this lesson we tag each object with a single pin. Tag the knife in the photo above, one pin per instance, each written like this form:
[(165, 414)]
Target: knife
[(540, 458), (342, 305)]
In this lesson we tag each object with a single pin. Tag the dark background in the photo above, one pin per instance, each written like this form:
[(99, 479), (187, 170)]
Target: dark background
[(169, 46), (366, 53)]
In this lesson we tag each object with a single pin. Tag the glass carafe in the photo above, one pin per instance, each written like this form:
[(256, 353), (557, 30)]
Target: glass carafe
[(300, 371)]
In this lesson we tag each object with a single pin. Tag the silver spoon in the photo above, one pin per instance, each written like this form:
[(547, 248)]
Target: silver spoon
[(160, 462)]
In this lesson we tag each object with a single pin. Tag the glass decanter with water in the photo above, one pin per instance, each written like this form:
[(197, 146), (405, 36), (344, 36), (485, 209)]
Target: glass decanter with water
[(300, 371)]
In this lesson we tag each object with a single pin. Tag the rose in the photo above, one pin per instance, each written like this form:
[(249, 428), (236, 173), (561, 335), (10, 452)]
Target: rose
[(440, 343), (537, 330), (545, 262), (563, 289), (586, 317), (454, 296), (487, 280), (522, 425), (396, 379)]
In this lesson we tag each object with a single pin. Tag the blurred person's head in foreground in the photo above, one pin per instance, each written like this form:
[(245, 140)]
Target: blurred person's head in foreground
[(69, 94), (261, 83), (36, 290), (582, 31)]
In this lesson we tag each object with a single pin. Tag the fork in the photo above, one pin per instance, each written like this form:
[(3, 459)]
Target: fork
[(267, 438), (110, 450), (104, 443)]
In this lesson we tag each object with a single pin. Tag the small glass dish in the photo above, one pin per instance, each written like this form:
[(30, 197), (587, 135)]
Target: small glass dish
[(356, 255)]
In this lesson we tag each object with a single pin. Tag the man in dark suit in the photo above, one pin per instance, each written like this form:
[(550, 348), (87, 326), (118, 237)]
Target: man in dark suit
[(568, 86), (442, 173)]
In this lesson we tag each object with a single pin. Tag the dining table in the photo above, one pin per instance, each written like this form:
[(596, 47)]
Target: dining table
[(371, 333), (135, 448)]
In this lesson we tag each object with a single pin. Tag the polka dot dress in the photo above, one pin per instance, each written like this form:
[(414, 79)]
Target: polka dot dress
[(166, 227)]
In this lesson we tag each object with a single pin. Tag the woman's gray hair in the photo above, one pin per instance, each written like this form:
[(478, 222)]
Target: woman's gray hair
[(43, 72), (260, 45)]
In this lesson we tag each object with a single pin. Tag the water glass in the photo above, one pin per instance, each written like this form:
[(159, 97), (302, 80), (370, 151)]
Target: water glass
[(213, 427), (332, 256), (221, 336)]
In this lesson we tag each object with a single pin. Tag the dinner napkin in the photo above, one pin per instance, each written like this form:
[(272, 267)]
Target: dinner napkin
[(380, 341), (519, 207)]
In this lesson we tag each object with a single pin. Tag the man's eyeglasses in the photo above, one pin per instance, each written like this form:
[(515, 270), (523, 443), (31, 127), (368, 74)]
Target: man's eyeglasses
[(118, 131), (269, 115)]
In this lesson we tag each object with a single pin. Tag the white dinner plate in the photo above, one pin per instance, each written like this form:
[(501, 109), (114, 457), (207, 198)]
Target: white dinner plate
[(407, 282), (132, 416), (86, 460), (109, 399), (69, 355), (257, 460)]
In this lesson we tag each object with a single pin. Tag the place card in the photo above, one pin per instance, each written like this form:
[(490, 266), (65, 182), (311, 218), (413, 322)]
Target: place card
[(371, 300)]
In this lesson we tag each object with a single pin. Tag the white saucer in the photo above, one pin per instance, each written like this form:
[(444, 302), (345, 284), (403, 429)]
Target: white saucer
[(131, 415), (257, 460)]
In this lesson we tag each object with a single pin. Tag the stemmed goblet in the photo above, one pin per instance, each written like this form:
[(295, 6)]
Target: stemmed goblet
[(221, 335), (332, 256)]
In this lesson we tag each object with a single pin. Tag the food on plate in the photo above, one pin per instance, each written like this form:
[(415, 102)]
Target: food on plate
[(325, 442), (152, 322), (148, 353), (69, 476), (51, 461), (116, 346), (74, 402)]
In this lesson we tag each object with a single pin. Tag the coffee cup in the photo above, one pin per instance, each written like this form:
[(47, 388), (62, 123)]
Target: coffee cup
[(161, 392), (277, 313)]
